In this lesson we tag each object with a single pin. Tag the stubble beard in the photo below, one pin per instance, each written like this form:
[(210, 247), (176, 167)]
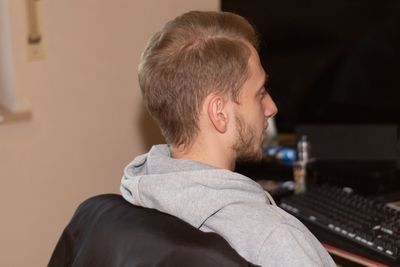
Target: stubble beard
[(245, 146)]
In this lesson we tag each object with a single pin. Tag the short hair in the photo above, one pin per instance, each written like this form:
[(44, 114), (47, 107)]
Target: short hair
[(193, 55)]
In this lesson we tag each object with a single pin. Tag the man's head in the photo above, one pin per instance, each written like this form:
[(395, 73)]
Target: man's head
[(193, 56)]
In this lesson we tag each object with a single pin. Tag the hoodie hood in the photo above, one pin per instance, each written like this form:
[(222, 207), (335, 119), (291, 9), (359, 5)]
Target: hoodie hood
[(187, 189)]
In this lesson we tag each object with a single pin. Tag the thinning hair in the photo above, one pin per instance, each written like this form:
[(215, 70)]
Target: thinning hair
[(192, 56)]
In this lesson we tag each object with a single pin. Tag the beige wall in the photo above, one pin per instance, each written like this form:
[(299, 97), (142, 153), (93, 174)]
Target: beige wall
[(87, 115)]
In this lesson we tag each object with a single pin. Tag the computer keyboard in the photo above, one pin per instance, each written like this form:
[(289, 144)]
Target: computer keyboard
[(364, 223)]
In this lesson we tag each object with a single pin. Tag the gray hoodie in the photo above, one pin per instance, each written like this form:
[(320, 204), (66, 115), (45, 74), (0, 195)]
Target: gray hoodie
[(225, 202)]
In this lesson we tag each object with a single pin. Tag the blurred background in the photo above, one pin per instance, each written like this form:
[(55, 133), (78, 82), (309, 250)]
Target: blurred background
[(82, 115)]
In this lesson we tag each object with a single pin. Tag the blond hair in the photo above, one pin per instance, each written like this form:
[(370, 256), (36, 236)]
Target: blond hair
[(195, 54)]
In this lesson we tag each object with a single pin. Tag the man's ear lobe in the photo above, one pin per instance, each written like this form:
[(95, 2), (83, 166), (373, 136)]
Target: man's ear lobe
[(217, 113)]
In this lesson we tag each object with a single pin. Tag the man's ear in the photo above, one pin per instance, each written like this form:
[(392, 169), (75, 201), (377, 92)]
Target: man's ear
[(217, 113)]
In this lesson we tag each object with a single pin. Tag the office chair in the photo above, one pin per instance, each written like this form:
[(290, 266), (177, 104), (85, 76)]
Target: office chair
[(107, 231)]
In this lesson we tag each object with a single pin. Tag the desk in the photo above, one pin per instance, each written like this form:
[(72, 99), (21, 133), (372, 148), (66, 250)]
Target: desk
[(345, 250)]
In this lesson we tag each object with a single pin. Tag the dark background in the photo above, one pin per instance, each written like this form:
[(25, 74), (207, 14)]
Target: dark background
[(329, 61)]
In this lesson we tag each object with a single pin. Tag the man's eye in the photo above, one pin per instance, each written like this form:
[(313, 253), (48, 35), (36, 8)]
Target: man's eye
[(263, 94), (265, 91)]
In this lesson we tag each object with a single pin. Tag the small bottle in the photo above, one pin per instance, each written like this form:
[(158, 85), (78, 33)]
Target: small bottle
[(300, 166)]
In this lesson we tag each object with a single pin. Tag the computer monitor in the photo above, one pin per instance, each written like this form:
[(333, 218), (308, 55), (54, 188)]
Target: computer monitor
[(330, 62)]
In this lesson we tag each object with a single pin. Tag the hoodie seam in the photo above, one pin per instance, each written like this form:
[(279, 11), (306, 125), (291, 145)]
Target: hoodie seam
[(279, 226), (265, 240)]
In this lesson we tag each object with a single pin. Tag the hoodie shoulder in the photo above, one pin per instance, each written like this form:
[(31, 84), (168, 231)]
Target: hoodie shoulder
[(293, 245)]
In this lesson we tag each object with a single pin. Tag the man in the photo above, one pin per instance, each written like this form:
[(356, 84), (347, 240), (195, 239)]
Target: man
[(203, 82)]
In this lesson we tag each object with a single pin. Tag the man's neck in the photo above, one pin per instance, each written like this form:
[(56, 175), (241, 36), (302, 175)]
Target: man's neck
[(212, 156)]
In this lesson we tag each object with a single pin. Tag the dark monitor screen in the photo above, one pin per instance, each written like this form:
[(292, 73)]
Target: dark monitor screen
[(329, 61)]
